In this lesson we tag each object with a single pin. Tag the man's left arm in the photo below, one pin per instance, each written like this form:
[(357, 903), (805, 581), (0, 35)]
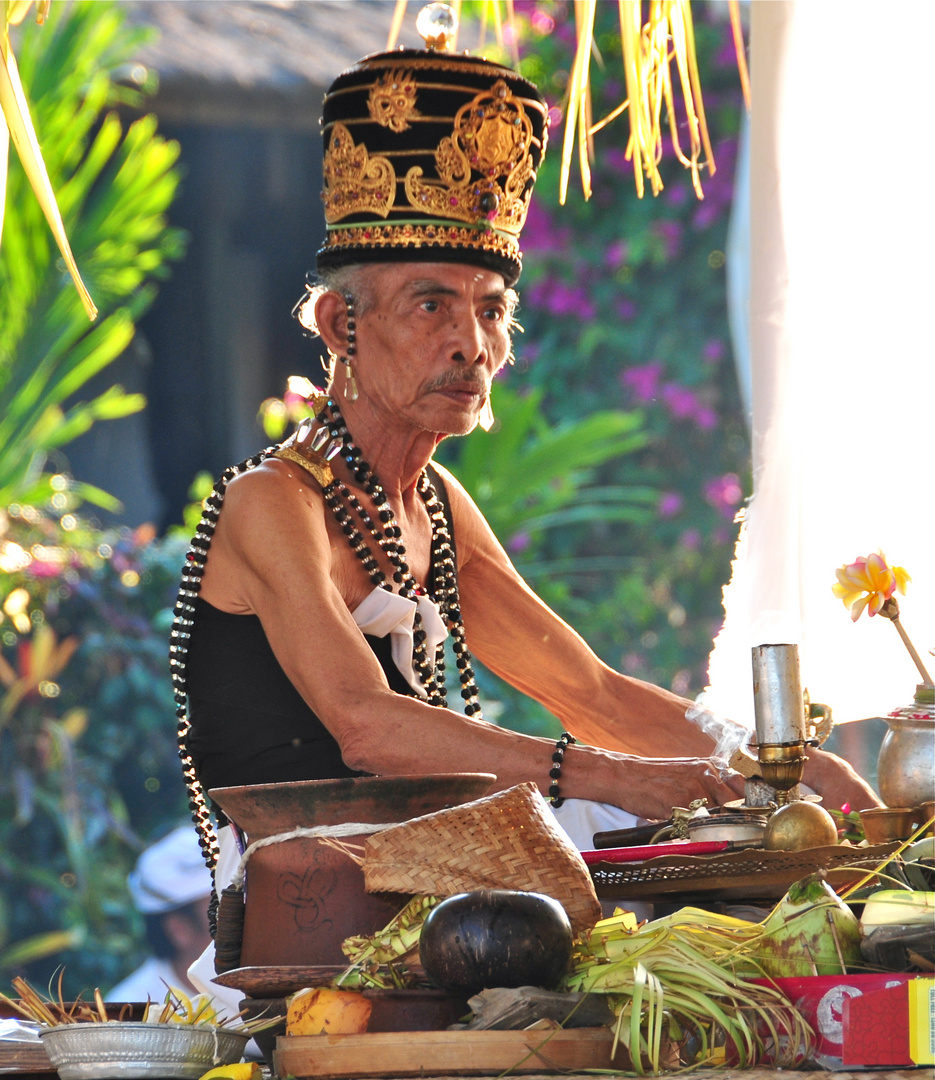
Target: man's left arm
[(522, 640)]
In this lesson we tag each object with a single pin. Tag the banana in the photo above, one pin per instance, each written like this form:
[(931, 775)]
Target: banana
[(247, 1070)]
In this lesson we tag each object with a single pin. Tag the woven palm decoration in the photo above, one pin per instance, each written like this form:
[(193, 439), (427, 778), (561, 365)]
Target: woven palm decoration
[(505, 841)]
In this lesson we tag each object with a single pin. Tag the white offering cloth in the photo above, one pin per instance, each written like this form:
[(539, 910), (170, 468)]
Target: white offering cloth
[(383, 613)]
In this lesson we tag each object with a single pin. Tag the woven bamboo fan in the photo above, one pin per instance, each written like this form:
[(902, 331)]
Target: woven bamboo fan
[(505, 841)]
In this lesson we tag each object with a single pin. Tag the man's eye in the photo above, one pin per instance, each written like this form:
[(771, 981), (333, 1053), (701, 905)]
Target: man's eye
[(494, 314), (431, 306)]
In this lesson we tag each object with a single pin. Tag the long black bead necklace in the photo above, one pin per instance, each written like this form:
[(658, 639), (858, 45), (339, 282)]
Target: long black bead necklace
[(193, 571), (387, 535)]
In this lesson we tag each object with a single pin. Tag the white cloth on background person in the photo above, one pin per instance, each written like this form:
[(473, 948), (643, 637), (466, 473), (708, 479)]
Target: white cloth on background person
[(150, 982)]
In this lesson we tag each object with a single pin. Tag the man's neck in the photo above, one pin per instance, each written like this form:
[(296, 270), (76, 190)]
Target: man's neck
[(396, 453)]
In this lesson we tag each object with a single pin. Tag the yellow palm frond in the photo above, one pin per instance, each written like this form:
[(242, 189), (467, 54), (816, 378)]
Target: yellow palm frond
[(649, 49), (18, 125)]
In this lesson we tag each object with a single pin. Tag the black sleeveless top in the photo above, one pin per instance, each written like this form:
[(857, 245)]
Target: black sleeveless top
[(249, 724)]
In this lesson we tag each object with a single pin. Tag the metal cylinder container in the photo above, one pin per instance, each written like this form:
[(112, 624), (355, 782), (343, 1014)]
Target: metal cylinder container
[(778, 703), (779, 711)]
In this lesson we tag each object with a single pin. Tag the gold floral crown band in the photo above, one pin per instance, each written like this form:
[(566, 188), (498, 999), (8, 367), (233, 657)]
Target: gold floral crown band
[(467, 137)]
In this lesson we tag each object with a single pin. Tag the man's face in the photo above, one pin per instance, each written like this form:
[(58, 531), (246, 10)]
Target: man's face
[(431, 341)]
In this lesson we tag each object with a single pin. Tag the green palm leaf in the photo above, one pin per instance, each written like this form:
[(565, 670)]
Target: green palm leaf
[(527, 474), (114, 188)]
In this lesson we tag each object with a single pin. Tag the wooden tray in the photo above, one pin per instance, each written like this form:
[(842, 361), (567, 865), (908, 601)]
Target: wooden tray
[(19, 1058), (445, 1053), (278, 980), (754, 874)]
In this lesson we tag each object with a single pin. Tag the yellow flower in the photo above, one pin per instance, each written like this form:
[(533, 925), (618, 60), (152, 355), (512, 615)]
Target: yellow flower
[(868, 583)]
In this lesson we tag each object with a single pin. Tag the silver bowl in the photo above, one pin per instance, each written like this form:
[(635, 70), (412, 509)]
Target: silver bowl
[(727, 826), (109, 1051)]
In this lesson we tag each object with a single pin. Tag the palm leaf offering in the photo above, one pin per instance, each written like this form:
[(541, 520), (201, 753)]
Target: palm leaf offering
[(648, 50), (688, 975), (177, 1008), (379, 960)]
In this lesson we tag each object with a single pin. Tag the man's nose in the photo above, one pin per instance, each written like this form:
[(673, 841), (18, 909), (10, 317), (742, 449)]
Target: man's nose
[(468, 343)]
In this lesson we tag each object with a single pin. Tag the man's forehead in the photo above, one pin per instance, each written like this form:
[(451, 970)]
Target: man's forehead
[(397, 279)]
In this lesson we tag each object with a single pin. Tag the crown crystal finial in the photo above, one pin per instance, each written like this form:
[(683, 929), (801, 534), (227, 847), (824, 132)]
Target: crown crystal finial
[(437, 25)]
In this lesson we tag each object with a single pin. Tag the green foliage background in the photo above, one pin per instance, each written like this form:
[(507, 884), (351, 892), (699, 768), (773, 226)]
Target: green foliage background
[(88, 771)]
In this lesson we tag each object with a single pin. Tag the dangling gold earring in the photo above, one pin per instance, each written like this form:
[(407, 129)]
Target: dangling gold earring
[(350, 383), (485, 417)]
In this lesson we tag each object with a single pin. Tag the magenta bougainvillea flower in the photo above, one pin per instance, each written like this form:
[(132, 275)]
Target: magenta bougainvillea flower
[(868, 582)]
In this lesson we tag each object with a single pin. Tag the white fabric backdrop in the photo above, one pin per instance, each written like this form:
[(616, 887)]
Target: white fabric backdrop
[(841, 313)]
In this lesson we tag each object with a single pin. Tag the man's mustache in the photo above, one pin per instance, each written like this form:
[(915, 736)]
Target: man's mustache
[(456, 378)]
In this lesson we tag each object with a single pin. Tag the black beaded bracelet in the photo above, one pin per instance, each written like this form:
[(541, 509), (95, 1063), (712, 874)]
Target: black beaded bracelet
[(555, 773)]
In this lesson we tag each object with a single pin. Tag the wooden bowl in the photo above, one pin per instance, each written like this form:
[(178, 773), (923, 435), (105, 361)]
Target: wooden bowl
[(884, 823)]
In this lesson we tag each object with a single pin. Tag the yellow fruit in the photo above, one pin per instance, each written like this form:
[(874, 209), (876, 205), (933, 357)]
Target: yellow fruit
[(248, 1070), (320, 1011)]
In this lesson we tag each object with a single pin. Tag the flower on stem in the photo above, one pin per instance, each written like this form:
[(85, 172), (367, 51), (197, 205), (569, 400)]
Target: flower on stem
[(869, 582)]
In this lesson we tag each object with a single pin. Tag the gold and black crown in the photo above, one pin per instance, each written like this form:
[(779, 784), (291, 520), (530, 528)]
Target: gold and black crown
[(429, 157)]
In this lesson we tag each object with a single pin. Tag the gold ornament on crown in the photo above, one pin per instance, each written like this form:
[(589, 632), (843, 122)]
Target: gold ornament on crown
[(491, 141), (392, 100), (355, 181)]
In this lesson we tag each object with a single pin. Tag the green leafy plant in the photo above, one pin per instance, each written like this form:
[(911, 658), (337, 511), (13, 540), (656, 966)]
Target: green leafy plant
[(90, 761), (113, 187), (84, 689), (528, 475)]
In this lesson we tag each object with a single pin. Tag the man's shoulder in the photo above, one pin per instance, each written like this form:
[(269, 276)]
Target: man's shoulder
[(273, 480), (455, 490)]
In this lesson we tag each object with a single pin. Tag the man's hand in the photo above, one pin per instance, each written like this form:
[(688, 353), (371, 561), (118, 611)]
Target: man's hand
[(837, 783), (651, 787)]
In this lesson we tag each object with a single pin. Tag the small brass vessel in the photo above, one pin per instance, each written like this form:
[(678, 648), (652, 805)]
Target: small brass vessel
[(799, 825)]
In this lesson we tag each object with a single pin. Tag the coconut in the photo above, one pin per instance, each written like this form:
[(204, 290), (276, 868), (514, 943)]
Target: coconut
[(811, 931)]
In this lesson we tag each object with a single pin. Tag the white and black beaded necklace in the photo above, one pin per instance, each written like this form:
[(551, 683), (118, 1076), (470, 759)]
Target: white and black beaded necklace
[(330, 440)]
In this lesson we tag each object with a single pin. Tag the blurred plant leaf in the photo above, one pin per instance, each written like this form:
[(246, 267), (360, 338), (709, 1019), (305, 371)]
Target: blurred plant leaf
[(114, 189), (528, 474), (39, 947), (19, 125)]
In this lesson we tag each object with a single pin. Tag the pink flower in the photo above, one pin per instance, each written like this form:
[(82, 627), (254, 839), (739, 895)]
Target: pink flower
[(670, 502), (705, 418), (713, 350), (868, 582), (540, 232), (626, 309), (681, 402), (643, 380), (518, 542), (542, 23), (670, 233), (616, 159), (616, 254), (724, 493), (690, 539)]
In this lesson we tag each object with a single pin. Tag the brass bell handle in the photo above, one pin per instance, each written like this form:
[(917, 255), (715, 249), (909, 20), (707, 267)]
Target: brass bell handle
[(819, 723)]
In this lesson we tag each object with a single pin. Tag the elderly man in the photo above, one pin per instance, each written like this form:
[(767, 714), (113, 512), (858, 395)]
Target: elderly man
[(309, 644)]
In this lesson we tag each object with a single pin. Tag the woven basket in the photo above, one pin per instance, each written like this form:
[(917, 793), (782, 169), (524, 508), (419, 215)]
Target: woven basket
[(505, 841)]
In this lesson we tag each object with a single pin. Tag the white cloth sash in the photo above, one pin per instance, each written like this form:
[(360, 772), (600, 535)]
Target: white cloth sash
[(384, 612)]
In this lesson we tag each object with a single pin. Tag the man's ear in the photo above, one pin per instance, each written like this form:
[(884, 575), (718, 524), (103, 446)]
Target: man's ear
[(331, 317)]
